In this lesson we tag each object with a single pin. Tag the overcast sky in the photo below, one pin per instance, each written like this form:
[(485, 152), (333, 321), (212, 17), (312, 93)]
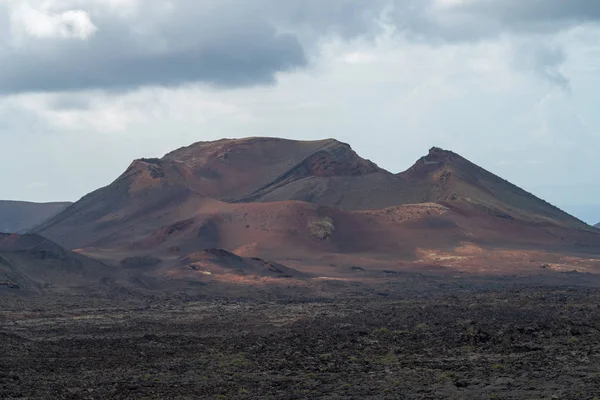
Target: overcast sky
[(88, 85)]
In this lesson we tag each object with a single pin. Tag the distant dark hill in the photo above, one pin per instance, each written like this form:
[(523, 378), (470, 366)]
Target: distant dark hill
[(20, 216), (597, 225), (33, 263)]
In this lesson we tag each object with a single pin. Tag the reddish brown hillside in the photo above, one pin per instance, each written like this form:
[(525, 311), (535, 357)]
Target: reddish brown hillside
[(289, 200), (158, 192), (444, 176)]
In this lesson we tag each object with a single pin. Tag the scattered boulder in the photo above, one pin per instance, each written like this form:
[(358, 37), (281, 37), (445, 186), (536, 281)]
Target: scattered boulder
[(10, 284), (321, 228)]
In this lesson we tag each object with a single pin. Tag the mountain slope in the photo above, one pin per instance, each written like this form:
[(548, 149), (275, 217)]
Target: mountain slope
[(20, 216), (444, 176)]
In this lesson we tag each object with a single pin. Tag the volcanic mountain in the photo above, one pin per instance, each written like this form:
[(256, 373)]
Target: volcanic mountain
[(20, 216), (305, 200), (207, 177)]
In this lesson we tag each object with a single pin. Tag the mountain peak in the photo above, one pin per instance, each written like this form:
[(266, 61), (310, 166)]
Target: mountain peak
[(443, 175), (437, 155), (436, 150)]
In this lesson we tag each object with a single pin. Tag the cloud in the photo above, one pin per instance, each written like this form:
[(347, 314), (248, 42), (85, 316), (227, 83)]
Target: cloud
[(69, 101), (534, 12), (73, 45), (72, 24), (529, 25), (204, 41), (520, 15), (543, 59)]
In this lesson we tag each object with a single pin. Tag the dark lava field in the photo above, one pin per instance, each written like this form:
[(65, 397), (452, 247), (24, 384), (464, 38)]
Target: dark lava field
[(442, 341)]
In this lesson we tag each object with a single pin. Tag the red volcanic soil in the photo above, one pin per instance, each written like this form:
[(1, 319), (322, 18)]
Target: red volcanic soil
[(312, 204), (20, 216)]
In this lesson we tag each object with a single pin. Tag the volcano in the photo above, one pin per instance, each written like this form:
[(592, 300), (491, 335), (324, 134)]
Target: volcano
[(283, 200)]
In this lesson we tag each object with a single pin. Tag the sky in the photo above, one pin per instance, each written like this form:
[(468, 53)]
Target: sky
[(86, 86)]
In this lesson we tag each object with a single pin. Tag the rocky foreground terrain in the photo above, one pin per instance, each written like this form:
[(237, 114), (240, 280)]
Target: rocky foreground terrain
[(432, 339)]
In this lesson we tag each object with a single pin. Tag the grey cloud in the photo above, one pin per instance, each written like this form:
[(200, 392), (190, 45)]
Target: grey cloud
[(232, 43), (222, 47), (536, 12), (345, 18), (68, 101), (475, 20), (530, 24), (233, 61), (544, 60), (227, 43)]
